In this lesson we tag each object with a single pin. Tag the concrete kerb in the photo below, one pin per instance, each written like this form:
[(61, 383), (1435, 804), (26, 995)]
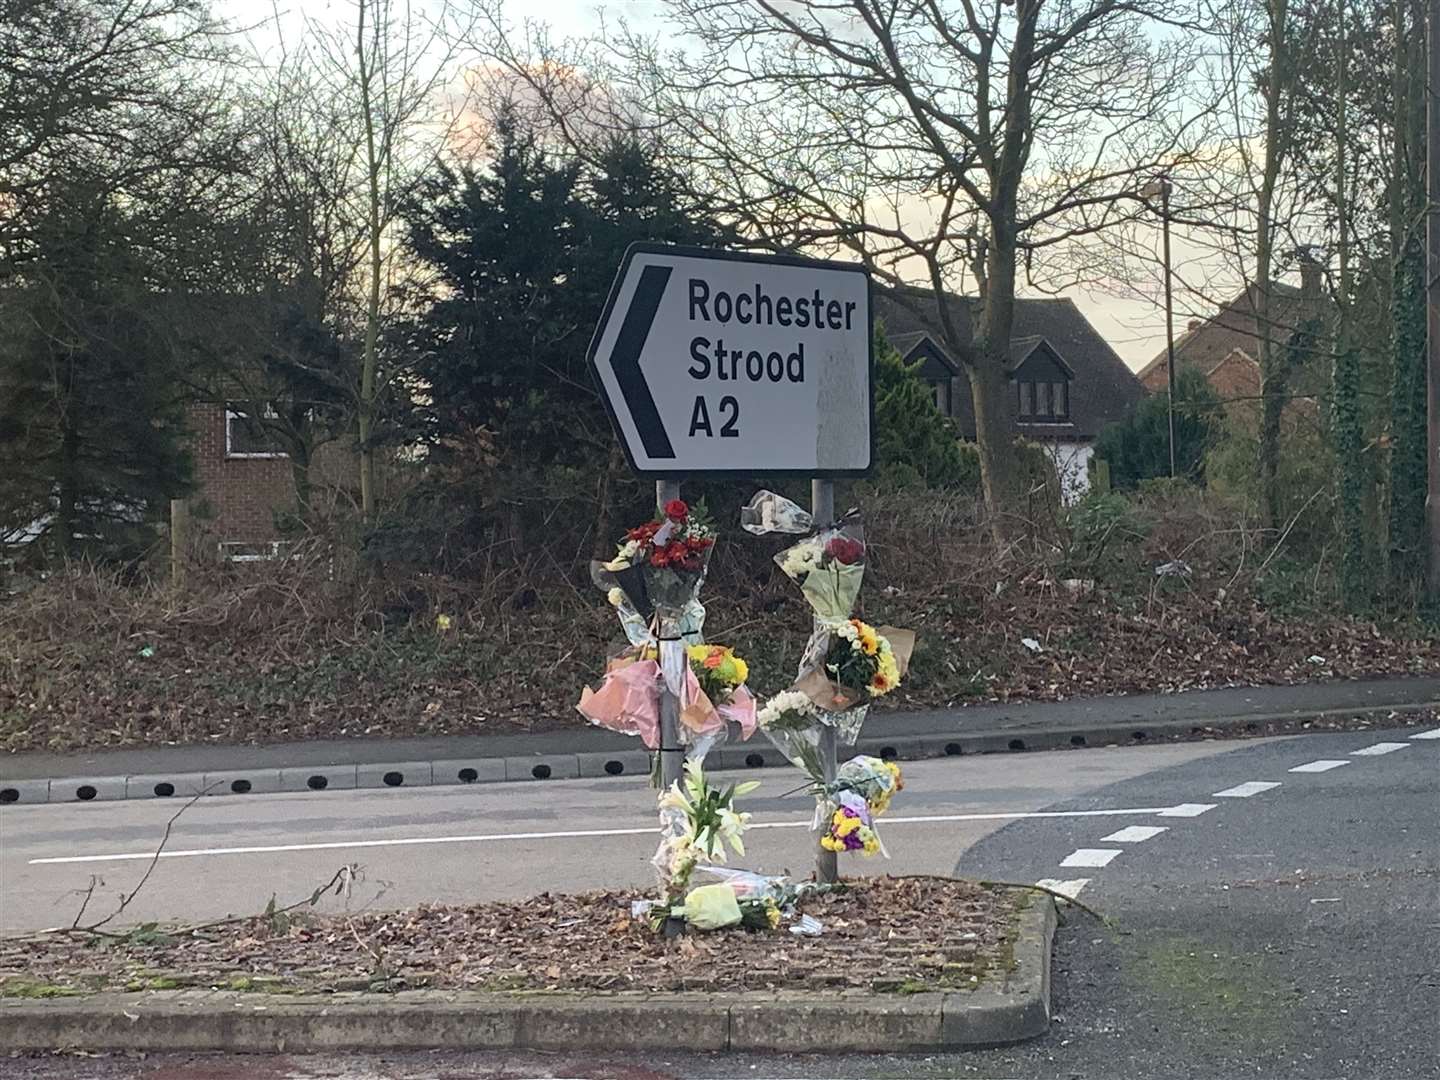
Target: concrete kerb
[(24, 792), (795, 1022), (731, 756)]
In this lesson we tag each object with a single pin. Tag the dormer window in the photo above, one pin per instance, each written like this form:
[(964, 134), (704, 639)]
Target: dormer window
[(1043, 401), (1042, 382)]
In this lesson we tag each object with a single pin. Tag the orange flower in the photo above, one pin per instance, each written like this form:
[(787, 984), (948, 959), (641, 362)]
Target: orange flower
[(714, 660)]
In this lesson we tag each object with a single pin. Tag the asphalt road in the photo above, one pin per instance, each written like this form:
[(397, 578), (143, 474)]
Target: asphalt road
[(1288, 931), (227, 855)]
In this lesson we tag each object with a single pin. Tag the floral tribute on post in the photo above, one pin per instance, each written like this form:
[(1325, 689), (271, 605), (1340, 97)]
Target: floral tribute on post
[(653, 582), (846, 664)]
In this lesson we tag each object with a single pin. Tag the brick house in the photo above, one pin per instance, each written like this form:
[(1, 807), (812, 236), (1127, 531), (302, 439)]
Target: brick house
[(245, 481), (1225, 348), (1068, 383)]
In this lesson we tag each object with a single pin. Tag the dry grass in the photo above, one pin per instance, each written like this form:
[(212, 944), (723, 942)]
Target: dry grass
[(317, 647)]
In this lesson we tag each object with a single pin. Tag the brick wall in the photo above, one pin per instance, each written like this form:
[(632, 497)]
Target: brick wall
[(242, 494)]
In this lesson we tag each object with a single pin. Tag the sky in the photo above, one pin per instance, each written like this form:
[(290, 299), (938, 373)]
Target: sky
[(1134, 326)]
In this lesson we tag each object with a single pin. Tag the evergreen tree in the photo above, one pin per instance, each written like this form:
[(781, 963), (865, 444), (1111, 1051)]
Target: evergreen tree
[(499, 347), (915, 445), (524, 252), (1138, 448), (91, 427)]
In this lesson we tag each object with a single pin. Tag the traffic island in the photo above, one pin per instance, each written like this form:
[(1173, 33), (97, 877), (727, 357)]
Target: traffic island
[(898, 964)]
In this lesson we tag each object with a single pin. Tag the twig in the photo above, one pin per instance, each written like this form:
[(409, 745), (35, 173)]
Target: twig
[(1006, 885), (337, 882), (1278, 543), (154, 861), (1048, 892)]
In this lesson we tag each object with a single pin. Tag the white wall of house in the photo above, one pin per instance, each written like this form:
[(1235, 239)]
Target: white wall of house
[(1072, 466)]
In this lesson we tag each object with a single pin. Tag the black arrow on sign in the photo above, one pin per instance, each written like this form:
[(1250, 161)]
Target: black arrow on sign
[(625, 361)]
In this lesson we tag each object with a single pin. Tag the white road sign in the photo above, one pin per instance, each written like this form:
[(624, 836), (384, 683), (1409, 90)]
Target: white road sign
[(714, 362)]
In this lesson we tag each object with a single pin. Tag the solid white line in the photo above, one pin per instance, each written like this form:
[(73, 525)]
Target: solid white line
[(571, 834), (1133, 834), (1187, 809), (1069, 888), (1380, 748), (1319, 766), (1245, 790), (1428, 734), (1087, 856)]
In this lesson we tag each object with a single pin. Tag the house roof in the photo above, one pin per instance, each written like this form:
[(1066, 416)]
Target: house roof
[(1235, 327), (1102, 388), (1021, 349)]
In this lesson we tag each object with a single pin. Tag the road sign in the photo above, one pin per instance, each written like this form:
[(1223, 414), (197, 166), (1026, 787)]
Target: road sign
[(715, 362)]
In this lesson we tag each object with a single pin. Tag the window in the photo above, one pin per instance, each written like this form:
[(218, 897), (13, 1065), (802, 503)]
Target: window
[(1042, 402), (244, 438), (942, 396), (239, 551)]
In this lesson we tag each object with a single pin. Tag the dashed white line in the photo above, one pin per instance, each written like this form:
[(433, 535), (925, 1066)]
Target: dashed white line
[(1319, 766), (1085, 856), (1187, 809), (1380, 748), (1245, 790), (1428, 734), (1134, 834), (1070, 888)]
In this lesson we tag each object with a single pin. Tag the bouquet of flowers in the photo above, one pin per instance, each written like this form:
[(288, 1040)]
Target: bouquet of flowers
[(660, 565), (861, 660), (873, 779), (697, 821), (829, 567), (850, 827), (718, 671), (792, 722), (861, 792), (715, 692)]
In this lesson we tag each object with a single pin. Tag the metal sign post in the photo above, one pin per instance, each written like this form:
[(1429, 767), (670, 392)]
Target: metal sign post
[(672, 754), (822, 511)]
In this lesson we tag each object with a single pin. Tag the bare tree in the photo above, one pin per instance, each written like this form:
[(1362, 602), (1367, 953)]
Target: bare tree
[(966, 146), (394, 67)]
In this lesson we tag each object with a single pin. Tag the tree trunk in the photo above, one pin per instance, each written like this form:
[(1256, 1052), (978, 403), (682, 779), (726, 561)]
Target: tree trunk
[(989, 384), (69, 483), (300, 476), (374, 225), (603, 546), (1272, 361), (1407, 406)]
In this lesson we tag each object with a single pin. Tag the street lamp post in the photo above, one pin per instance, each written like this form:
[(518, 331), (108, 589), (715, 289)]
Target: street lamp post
[(1161, 186)]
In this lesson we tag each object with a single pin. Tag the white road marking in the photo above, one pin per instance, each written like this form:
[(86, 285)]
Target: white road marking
[(481, 838), (1187, 809), (1380, 748), (1428, 734), (1089, 856), (1319, 766), (1245, 790), (1133, 834), (1069, 888)]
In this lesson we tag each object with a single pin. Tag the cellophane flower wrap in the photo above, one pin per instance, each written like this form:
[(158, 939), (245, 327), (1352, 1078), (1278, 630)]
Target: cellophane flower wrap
[(861, 792), (660, 565), (791, 721), (829, 568), (653, 582), (697, 823), (715, 692)]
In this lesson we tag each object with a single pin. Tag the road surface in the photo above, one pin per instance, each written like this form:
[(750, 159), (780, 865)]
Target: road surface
[(1274, 905)]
